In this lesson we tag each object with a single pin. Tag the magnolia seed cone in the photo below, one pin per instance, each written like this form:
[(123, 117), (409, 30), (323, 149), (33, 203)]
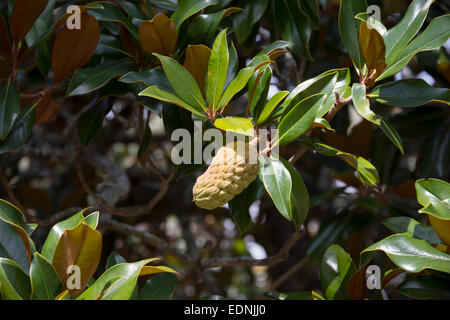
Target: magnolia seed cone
[(231, 172)]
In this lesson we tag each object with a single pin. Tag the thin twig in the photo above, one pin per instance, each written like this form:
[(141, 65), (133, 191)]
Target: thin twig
[(14, 199), (282, 255), (286, 275)]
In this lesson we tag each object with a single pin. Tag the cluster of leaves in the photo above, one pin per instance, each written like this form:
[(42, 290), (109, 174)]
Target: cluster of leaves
[(419, 250), (26, 274)]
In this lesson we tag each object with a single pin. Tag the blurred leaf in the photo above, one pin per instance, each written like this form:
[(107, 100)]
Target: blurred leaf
[(399, 36), (109, 12), (20, 132), (275, 295), (278, 183), (427, 287), (82, 247), (433, 37), (244, 21), (15, 283), (204, 26), (196, 62), (87, 80), (114, 259), (412, 255), (45, 282), (294, 25), (337, 230), (235, 124), (240, 205), (217, 70), (158, 35), (9, 108), (409, 93), (46, 110), (74, 48), (23, 16), (413, 227), (335, 270), (187, 8), (90, 123), (149, 77), (299, 118), (147, 139), (159, 287), (349, 28)]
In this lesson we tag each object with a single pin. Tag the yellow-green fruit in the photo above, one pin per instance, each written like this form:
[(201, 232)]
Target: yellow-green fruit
[(231, 172)]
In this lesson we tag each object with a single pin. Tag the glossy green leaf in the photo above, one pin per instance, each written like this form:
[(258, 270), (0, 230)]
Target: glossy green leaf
[(187, 8), (204, 26), (412, 255), (434, 196), (117, 283), (217, 70), (329, 83), (235, 124), (183, 83), (294, 25), (240, 205), (9, 108), (362, 106), (14, 282), (258, 88), (114, 259), (20, 131), (87, 80), (150, 77), (399, 36), (349, 28), (58, 229), (433, 37), (300, 195), (13, 245), (147, 139), (367, 173), (80, 246), (112, 13), (413, 227), (425, 287), (45, 282), (299, 119), (236, 85), (270, 106), (335, 270), (159, 287), (278, 183), (155, 92), (409, 93), (90, 123), (244, 21)]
